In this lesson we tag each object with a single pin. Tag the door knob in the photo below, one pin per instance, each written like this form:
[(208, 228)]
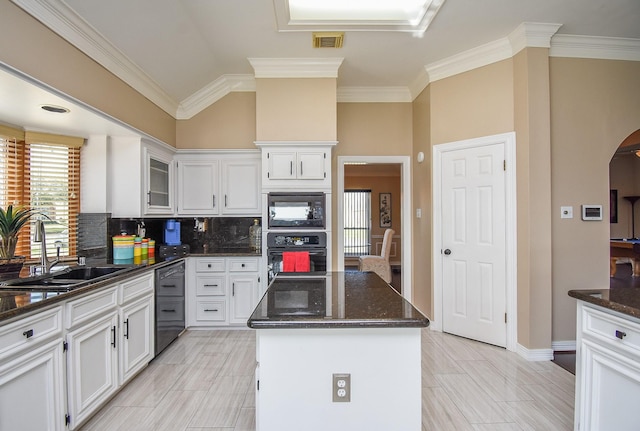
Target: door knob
[(447, 252)]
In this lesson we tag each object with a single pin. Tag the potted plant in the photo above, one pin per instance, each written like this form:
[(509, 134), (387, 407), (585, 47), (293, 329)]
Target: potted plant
[(12, 220)]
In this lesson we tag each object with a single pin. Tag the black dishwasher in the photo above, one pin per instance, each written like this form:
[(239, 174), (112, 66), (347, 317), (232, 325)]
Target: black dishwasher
[(169, 304)]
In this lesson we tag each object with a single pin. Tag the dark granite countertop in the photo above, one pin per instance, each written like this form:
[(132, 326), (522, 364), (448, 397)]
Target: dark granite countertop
[(338, 300), (624, 300), (15, 302)]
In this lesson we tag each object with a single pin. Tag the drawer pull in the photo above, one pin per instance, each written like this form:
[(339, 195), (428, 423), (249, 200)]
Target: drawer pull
[(243, 265), (28, 333), (210, 285), (208, 309), (620, 334), (208, 265), (168, 311), (168, 285)]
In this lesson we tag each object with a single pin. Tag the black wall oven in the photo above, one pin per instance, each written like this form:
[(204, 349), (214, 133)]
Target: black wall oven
[(296, 210), (314, 243)]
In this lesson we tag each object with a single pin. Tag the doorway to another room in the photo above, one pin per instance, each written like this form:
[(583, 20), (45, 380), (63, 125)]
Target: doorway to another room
[(384, 181)]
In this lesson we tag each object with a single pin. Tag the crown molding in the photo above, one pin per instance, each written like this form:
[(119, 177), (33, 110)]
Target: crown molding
[(604, 48), (213, 92), (296, 67), (532, 35), (61, 19), (373, 95)]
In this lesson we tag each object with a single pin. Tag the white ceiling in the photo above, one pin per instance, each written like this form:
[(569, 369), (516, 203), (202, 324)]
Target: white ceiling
[(184, 48)]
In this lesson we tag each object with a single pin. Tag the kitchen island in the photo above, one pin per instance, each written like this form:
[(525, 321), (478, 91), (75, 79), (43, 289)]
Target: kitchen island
[(607, 359), (339, 352)]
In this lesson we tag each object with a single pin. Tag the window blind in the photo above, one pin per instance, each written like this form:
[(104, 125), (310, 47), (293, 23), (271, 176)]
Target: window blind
[(357, 222)]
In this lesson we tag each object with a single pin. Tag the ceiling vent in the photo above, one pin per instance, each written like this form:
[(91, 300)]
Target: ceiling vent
[(328, 40)]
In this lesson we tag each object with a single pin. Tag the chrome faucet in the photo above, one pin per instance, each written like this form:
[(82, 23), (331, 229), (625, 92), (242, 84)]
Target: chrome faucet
[(41, 237)]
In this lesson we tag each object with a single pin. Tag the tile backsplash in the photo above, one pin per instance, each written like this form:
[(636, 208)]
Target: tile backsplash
[(203, 234)]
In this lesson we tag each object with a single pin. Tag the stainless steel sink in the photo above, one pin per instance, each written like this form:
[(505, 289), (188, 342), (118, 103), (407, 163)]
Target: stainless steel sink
[(68, 278)]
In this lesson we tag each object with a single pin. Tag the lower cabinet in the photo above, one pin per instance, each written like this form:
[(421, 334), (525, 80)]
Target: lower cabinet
[(221, 291), (92, 366), (137, 331), (607, 370), (32, 389)]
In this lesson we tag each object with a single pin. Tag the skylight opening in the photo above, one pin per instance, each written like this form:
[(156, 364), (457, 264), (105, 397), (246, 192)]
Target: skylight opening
[(410, 11)]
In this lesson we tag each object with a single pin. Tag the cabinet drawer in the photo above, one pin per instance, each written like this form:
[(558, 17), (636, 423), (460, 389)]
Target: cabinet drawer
[(210, 285), (169, 287), (136, 287), (168, 310), (243, 265), (211, 310), (89, 307), (23, 333), (611, 329), (210, 265)]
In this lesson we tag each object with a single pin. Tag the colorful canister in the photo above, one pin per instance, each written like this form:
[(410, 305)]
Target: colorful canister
[(137, 250), (123, 249)]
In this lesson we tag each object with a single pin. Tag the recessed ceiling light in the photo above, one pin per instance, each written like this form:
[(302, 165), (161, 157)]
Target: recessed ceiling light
[(55, 109)]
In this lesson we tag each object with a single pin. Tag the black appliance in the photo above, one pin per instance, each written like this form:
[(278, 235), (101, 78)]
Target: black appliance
[(295, 210), (313, 242), (169, 304), (297, 297)]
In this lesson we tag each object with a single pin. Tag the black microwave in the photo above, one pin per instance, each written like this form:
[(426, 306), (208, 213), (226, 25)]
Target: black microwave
[(296, 210)]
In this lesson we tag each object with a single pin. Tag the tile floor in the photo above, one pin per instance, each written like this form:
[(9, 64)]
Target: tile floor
[(204, 382)]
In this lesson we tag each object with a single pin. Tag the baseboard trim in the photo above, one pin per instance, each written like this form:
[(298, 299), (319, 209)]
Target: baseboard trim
[(534, 355), (564, 346)]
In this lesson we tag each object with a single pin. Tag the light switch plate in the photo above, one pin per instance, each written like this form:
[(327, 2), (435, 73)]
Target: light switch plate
[(566, 212)]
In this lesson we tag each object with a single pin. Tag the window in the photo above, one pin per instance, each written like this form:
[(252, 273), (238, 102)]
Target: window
[(44, 174), (357, 222)]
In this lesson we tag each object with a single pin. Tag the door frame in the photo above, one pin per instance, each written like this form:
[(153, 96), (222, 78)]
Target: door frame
[(405, 192), (509, 141)]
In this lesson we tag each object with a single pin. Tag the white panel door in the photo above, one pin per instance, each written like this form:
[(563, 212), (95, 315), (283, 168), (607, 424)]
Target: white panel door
[(473, 243), (198, 187)]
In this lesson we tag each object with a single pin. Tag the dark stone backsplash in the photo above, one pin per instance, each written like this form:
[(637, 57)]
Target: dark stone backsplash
[(221, 233)]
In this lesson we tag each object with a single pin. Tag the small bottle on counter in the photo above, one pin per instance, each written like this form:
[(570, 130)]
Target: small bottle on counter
[(137, 250), (255, 236)]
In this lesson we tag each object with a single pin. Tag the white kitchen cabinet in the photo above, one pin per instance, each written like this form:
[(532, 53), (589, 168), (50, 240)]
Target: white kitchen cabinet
[(140, 178), (219, 183), (92, 366), (221, 291), (32, 378), (198, 187), (607, 370), (137, 345), (296, 165)]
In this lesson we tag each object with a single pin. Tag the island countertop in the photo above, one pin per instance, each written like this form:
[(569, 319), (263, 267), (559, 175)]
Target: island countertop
[(624, 300), (338, 300)]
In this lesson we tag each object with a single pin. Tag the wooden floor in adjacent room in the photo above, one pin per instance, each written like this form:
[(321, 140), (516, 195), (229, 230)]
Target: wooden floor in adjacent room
[(205, 382)]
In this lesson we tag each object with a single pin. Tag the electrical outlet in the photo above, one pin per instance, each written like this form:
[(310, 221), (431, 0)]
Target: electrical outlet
[(341, 388)]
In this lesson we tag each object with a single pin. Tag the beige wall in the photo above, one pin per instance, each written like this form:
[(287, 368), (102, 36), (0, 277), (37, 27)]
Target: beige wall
[(422, 227), (595, 105), (35, 50), (296, 109), (228, 123)]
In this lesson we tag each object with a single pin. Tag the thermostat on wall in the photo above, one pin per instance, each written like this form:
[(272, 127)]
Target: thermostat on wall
[(591, 212)]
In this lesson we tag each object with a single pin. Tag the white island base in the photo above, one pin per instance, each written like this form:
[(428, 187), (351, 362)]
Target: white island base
[(295, 379)]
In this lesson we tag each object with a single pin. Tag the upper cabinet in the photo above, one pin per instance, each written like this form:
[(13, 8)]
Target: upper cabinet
[(218, 183), (141, 178), (296, 165)]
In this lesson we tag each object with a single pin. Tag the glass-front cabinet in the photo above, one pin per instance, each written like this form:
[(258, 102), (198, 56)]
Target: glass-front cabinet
[(159, 174)]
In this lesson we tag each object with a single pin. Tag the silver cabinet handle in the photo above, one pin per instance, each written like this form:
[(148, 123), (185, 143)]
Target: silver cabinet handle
[(290, 168), (301, 167)]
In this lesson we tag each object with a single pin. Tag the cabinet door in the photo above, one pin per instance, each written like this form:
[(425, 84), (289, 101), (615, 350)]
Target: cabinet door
[(158, 183), (137, 346), (281, 165), (198, 187), (241, 186), (32, 390), (311, 165), (610, 387), (244, 290), (92, 366)]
